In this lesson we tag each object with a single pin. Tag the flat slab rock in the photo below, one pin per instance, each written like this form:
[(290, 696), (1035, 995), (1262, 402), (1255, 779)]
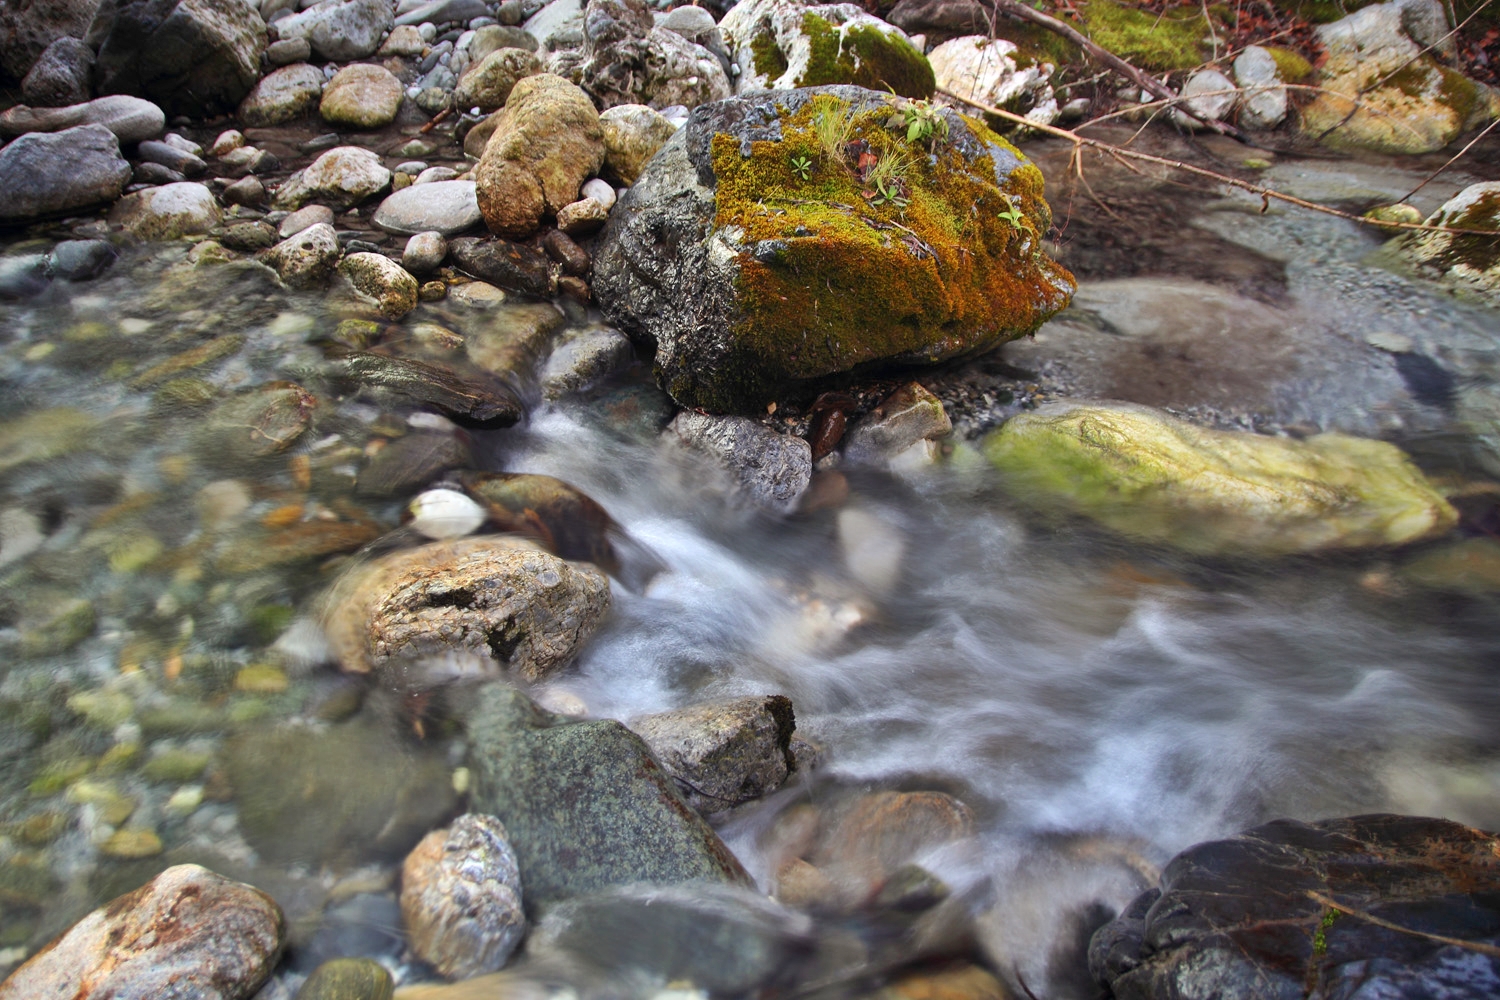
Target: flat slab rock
[(1395, 907), (186, 933)]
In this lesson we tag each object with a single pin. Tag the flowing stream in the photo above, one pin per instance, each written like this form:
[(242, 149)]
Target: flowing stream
[(1099, 705)]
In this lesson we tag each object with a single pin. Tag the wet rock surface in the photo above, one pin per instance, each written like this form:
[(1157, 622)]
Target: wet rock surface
[(461, 898), (585, 803), (723, 753), (186, 932), (1395, 906)]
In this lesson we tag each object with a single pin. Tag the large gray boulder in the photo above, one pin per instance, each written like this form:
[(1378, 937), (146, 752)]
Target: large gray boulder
[(62, 75), (193, 57), (762, 262), (586, 804), (1396, 907), (340, 30), (26, 29), (46, 174)]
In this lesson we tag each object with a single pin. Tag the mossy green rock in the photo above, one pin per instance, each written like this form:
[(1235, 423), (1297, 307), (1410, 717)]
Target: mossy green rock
[(343, 794), (1151, 476), (348, 979), (585, 803), (760, 263), (1379, 92), (1469, 264), (782, 44)]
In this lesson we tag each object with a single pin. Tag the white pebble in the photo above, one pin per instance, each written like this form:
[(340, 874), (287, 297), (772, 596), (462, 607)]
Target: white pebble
[(445, 514), (601, 191)]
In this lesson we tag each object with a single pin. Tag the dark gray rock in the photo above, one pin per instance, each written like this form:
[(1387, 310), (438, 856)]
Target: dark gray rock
[(193, 57), (509, 265), (61, 76), (586, 805), (180, 160), (49, 173), (131, 119), (724, 939), (340, 31), (27, 29), (1291, 910), (723, 753), (24, 276), (770, 468), (349, 793), (82, 260), (410, 462), (155, 174)]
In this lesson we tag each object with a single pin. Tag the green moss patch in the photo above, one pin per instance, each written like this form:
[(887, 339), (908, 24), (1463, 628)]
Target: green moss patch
[(1169, 41), (864, 56), (875, 249), (1290, 66)]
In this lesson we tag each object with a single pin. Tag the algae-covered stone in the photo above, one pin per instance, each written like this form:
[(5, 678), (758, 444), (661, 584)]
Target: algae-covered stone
[(781, 44), (1468, 263), (1379, 91), (348, 979), (488, 83), (383, 281), (1157, 478), (813, 238), (547, 141), (585, 804), (168, 212), (347, 793), (361, 96), (283, 95)]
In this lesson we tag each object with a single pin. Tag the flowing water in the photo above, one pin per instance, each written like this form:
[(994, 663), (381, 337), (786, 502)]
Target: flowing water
[(1098, 704)]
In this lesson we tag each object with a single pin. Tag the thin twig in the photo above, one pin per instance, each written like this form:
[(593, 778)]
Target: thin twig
[(1267, 194), (1433, 176), (1482, 947)]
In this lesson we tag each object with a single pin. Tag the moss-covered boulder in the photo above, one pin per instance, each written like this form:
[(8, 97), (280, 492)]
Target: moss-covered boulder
[(781, 241), (1154, 477), (1380, 92), (781, 44), (1469, 264)]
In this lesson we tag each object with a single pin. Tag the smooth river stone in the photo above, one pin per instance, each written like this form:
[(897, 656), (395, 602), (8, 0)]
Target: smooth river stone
[(131, 119), (447, 207), (43, 174)]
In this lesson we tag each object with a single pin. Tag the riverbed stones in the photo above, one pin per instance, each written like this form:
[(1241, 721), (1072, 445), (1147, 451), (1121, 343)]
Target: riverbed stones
[(340, 31), (169, 212), (61, 76), (382, 281), (1407, 102), (627, 59), (283, 95), (303, 218), (337, 795), (35, 186), (782, 307), (131, 119), (632, 135), (771, 469), (187, 932), (1377, 905), (306, 259), (1263, 100), (1209, 94), (1470, 264), (779, 44), (488, 83), (193, 57), (585, 803), (723, 753), (487, 604), (547, 142), (444, 207), (1151, 476), (340, 178), (461, 898), (362, 96)]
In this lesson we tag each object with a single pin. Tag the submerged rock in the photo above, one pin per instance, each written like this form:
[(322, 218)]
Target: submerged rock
[(187, 932), (772, 469), (465, 398), (1467, 263), (781, 44), (475, 606), (1376, 905), (804, 262), (461, 898), (1157, 478), (348, 979), (723, 753), (586, 805)]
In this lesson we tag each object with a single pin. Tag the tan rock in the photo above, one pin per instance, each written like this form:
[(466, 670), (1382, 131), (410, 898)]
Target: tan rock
[(377, 277), (461, 898), (473, 605), (547, 142), (281, 96), (488, 83), (362, 95), (632, 135), (582, 217), (187, 932)]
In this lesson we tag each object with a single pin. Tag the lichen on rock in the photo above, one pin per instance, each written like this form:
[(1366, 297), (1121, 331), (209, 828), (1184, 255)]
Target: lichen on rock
[(1468, 263), (781, 44), (782, 240)]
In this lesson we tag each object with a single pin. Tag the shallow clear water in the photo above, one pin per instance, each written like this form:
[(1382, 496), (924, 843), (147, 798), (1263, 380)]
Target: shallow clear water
[(1099, 705)]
